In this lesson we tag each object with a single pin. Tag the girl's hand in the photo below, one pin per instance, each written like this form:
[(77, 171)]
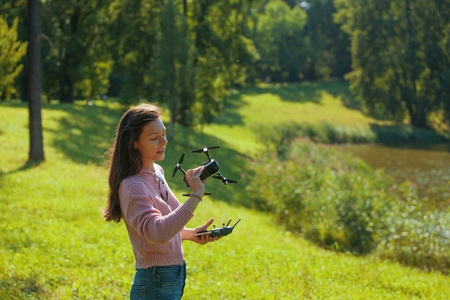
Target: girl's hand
[(193, 179), (204, 238)]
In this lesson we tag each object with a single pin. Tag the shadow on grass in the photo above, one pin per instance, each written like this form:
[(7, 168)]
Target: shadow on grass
[(85, 133), (28, 165), (232, 165), (301, 93), (229, 115)]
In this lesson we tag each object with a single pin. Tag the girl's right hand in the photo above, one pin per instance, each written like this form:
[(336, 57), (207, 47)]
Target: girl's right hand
[(193, 179)]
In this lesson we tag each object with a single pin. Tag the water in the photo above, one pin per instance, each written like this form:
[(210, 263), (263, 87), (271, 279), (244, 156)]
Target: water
[(428, 167)]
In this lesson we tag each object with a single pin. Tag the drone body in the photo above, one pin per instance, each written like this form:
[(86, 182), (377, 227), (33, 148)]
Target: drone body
[(211, 168)]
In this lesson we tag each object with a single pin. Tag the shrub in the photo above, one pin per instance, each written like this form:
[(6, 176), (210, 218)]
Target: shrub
[(413, 236), (339, 202), (283, 135)]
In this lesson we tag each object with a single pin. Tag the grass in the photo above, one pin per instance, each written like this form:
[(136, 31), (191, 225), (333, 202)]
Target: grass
[(54, 244)]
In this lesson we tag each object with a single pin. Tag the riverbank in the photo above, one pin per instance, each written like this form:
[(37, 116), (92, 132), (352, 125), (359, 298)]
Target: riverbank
[(427, 167), (329, 113)]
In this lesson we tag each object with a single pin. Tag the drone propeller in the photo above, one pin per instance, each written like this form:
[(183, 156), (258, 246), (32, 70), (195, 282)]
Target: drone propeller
[(178, 166), (205, 150), (202, 150), (206, 194), (224, 180)]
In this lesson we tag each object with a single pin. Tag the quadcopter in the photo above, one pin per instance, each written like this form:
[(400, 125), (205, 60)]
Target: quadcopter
[(225, 230), (211, 168)]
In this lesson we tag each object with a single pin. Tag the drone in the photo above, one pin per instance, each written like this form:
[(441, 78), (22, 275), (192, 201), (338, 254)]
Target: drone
[(211, 168), (225, 230)]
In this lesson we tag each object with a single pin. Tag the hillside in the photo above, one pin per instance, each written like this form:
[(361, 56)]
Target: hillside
[(54, 243)]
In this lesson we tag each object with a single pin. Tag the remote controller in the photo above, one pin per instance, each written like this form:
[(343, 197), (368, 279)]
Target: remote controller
[(225, 230)]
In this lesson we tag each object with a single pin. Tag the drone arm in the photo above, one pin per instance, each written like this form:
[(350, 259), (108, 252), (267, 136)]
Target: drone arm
[(219, 176), (207, 154)]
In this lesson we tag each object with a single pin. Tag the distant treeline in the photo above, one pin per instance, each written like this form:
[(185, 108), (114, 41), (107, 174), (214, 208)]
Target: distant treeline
[(186, 55)]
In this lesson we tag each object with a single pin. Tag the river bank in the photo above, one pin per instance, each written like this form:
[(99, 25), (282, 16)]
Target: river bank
[(426, 166)]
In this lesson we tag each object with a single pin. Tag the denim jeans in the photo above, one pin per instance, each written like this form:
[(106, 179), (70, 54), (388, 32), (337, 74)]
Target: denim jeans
[(159, 283)]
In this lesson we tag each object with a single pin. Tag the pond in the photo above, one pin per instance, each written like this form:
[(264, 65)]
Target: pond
[(427, 166)]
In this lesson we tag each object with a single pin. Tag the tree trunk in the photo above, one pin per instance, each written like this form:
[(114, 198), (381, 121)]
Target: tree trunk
[(417, 107), (172, 122), (66, 89), (34, 83), (417, 116)]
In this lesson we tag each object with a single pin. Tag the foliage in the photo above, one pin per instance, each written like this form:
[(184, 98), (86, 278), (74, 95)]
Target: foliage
[(185, 56), (400, 56), (96, 80), (415, 236), (133, 27), (54, 244), (283, 135), (222, 50), (11, 52), (397, 68), (340, 203), (173, 66), (329, 47), (278, 38), (298, 40), (74, 48)]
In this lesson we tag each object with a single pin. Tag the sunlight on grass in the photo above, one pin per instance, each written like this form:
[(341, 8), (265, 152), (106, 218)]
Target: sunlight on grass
[(304, 103)]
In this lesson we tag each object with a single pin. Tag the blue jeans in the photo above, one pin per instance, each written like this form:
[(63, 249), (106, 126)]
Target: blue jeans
[(159, 283)]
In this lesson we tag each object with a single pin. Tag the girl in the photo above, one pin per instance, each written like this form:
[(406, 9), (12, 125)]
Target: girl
[(154, 218)]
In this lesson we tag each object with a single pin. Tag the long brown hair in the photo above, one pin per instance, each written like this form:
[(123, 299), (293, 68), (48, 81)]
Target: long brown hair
[(124, 160)]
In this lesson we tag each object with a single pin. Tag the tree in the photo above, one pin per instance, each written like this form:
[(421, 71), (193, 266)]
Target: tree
[(329, 47), (173, 63), (400, 56), (133, 28), (11, 10), (34, 83), (210, 54), (280, 41), (75, 39), (222, 51), (11, 52)]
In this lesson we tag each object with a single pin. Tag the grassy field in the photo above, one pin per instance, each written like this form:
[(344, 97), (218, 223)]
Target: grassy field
[(307, 103), (54, 244)]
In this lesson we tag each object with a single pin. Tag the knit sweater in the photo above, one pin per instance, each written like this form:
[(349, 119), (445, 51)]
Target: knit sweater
[(154, 225)]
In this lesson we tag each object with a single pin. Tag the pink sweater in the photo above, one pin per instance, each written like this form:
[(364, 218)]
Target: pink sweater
[(153, 224)]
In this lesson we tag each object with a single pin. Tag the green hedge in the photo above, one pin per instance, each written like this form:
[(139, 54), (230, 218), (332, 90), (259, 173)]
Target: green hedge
[(340, 203), (328, 133)]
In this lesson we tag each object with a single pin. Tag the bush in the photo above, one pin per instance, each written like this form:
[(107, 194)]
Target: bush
[(283, 135), (327, 133), (340, 203), (413, 236)]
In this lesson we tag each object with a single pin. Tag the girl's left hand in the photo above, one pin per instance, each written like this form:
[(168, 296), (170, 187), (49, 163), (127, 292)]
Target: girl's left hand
[(204, 238)]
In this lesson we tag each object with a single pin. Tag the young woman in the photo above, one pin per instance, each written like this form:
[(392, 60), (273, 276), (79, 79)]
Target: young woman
[(154, 218)]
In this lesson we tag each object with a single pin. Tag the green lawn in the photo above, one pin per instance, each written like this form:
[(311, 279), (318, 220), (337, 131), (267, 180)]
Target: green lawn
[(302, 103), (54, 243)]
